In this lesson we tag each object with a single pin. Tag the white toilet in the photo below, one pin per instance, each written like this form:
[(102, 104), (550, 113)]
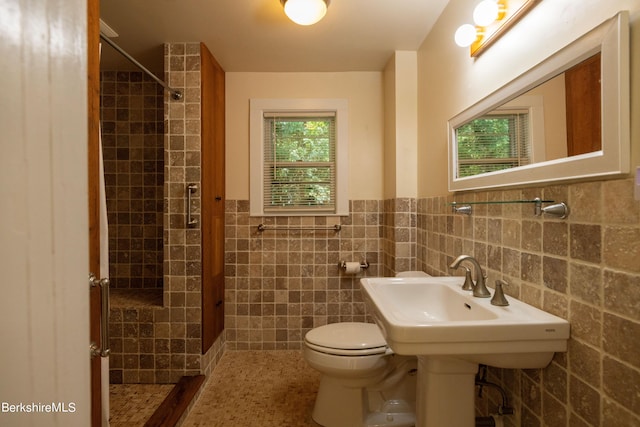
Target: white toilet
[(363, 382)]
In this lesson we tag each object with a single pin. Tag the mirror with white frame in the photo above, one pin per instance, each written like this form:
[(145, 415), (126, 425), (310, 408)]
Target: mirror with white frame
[(522, 133)]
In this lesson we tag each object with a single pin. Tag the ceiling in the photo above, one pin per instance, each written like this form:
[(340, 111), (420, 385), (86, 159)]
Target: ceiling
[(256, 35)]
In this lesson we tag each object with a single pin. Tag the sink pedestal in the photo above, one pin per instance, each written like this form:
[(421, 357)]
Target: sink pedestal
[(445, 392)]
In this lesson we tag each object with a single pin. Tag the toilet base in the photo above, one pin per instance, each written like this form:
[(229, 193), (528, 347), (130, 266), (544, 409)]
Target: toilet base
[(393, 413), (340, 406), (337, 405), (391, 419)]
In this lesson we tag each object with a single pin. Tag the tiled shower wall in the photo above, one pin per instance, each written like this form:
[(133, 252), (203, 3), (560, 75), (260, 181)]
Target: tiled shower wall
[(585, 268), (161, 343), (132, 114)]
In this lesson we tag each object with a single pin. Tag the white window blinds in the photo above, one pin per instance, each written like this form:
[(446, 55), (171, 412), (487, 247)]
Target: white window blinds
[(494, 142), (299, 163)]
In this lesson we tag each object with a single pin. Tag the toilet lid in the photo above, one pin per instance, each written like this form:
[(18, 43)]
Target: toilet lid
[(347, 336)]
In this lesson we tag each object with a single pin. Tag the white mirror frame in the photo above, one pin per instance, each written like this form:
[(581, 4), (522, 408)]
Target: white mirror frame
[(611, 38)]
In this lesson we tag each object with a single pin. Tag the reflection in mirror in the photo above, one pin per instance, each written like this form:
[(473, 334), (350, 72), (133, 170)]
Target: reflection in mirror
[(582, 88), (498, 140), (557, 119), (566, 118)]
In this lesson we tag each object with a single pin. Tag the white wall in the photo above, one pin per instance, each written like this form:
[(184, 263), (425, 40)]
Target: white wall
[(450, 80), (401, 125), (364, 92), (44, 308)]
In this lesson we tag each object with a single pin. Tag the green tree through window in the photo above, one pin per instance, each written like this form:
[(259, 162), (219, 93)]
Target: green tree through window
[(492, 143), (299, 162)]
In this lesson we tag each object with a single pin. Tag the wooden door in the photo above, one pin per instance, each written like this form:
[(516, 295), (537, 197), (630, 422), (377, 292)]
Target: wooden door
[(93, 104), (212, 196), (582, 87)]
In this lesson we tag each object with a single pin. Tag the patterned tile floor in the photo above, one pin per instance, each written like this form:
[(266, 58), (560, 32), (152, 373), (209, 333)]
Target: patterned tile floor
[(257, 389), (130, 405), (246, 389)]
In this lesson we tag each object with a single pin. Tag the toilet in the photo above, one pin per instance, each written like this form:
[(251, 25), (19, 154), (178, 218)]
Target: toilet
[(363, 382)]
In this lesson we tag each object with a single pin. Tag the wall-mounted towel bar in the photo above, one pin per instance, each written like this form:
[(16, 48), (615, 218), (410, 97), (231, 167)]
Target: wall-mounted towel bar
[(336, 228)]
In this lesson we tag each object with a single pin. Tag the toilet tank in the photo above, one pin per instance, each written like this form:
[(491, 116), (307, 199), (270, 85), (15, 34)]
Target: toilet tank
[(412, 274)]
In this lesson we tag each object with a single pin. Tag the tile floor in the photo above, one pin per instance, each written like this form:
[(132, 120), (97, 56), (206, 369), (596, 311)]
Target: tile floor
[(246, 389), (131, 405)]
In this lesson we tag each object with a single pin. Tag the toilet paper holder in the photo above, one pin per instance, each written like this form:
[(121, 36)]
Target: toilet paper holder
[(343, 265)]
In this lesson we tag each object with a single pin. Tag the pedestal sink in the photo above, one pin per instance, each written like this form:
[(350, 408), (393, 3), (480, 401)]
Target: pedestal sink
[(451, 332)]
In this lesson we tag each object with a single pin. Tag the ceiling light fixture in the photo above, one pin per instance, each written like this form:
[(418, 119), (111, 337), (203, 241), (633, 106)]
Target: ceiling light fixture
[(305, 12)]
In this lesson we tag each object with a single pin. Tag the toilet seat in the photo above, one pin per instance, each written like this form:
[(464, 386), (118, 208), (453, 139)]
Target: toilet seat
[(347, 339)]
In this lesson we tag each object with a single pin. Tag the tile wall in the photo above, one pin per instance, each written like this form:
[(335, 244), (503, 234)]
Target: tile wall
[(585, 268), (132, 114), (399, 236), (280, 284)]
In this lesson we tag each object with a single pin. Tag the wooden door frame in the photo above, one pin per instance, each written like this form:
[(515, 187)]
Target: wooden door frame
[(93, 114)]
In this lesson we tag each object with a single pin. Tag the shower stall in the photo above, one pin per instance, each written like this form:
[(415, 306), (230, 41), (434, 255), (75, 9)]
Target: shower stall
[(153, 156)]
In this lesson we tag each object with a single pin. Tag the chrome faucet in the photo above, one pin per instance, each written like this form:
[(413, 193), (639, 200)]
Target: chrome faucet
[(479, 288)]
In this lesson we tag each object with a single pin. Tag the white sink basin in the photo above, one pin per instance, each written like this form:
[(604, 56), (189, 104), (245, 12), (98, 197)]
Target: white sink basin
[(433, 316)]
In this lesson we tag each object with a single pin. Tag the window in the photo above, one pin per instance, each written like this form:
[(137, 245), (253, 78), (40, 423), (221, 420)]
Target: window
[(496, 141), (298, 157)]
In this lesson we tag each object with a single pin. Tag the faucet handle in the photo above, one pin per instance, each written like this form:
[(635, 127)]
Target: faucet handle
[(480, 289), (498, 296), (468, 282)]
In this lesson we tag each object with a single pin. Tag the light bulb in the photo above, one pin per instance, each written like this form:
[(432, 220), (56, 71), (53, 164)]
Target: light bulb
[(465, 35), (305, 12), (486, 12)]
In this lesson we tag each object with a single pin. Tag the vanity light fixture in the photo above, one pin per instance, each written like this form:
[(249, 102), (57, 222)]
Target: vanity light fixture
[(491, 19), (305, 12), (466, 34), (485, 13), (489, 11)]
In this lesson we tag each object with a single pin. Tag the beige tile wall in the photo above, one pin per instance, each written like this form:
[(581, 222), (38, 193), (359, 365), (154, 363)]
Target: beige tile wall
[(399, 236), (132, 114), (280, 284), (585, 268)]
